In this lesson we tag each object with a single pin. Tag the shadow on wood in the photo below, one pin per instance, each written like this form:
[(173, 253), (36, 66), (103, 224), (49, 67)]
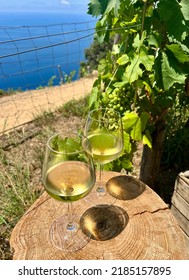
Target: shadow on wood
[(125, 187), (104, 223)]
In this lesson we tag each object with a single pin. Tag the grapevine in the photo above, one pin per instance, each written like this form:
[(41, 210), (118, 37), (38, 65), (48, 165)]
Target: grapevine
[(142, 73)]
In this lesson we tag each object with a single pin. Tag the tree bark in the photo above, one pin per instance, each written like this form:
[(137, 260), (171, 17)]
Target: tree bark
[(151, 158)]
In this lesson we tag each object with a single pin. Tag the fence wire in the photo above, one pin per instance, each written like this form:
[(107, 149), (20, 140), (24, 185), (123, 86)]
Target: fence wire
[(36, 66)]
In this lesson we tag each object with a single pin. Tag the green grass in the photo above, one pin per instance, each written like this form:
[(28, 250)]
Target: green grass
[(75, 108), (16, 194)]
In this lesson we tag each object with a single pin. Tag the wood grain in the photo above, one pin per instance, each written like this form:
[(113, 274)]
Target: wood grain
[(137, 228), (180, 203)]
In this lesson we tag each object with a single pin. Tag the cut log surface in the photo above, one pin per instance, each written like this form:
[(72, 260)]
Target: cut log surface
[(139, 226)]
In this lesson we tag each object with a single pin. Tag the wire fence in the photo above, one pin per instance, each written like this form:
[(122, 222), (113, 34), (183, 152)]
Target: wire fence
[(39, 69)]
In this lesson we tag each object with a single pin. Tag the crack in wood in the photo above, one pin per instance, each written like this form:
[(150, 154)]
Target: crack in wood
[(151, 212)]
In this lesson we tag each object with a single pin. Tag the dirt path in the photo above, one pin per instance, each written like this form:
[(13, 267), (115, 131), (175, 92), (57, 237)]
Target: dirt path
[(23, 107)]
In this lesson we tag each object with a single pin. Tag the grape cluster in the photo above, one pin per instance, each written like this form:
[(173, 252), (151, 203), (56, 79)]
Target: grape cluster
[(120, 99)]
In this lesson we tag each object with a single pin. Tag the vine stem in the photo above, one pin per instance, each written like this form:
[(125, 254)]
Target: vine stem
[(143, 17), (112, 78)]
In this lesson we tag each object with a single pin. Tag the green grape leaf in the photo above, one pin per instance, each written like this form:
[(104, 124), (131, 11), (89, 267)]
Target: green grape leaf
[(147, 140), (100, 7), (152, 40), (184, 9), (174, 15), (137, 44), (95, 8), (133, 70), (124, 59), (136, 133), (73, 144), (112, 5), (126, 164), (136, 124), (169, 75), (144, 119), (127, 143), (61, 144), (146, 60), (119, 84), (166, 9), (93, 96), (115, 49), (102, 66), (108, 166), (178, 52), (101, 31), (67, 145), (129, 119)]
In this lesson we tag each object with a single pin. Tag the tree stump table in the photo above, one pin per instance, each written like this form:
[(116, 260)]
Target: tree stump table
[(139, 226)]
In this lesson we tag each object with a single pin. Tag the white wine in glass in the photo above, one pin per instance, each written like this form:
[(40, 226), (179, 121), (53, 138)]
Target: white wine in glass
[(68, 175), (103, 128)]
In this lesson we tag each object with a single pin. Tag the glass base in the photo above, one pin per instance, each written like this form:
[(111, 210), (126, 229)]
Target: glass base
[(100, 197), (66, 238)]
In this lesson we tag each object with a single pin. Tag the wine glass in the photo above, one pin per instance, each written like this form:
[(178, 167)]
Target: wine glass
[(103, 128), (68, 175)]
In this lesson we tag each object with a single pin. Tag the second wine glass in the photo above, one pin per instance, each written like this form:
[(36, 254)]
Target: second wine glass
[(103, 128)]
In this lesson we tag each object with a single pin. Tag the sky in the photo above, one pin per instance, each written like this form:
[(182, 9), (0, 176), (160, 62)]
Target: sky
[(77, 6)]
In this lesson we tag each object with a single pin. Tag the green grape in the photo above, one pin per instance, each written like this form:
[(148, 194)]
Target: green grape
[(120, 99)]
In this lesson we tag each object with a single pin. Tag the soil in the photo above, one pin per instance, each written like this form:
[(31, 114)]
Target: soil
[(22, 107)]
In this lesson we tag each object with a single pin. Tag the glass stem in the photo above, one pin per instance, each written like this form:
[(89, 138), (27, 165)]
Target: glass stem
[(70, 225), (101, 189)]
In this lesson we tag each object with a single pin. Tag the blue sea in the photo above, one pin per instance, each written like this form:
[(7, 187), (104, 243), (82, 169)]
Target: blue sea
[(36, 48)]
